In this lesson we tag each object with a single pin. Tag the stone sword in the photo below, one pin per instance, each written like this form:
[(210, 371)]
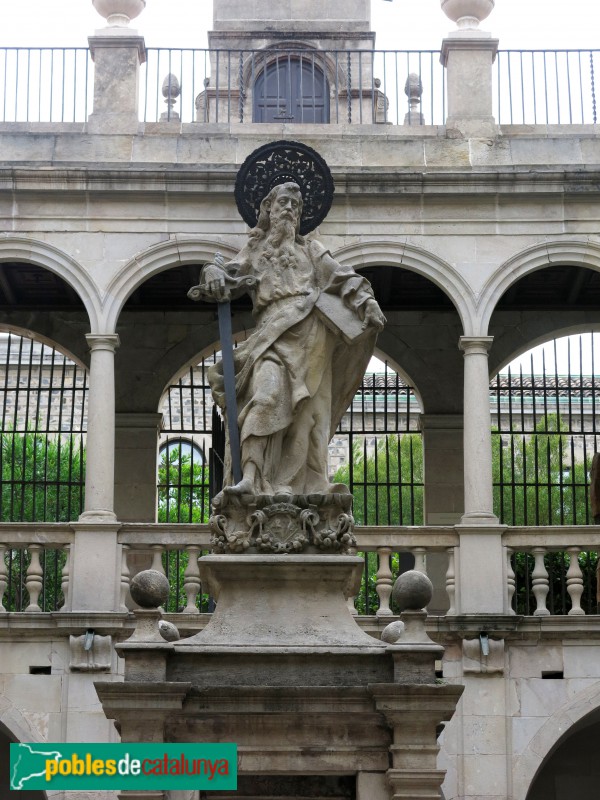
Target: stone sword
[(235, 288)]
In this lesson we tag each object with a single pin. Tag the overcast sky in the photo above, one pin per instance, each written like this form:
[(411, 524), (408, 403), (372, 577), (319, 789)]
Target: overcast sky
[(400, 24)]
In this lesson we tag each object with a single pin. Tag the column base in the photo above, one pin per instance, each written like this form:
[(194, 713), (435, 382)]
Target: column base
[(98, 516), (479, 518)]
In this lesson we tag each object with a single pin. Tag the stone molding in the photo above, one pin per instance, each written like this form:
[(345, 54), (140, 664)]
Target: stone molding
[(581, 253), (22, 248), (417, 259), (462, 42), (155, 259), (122, 39)]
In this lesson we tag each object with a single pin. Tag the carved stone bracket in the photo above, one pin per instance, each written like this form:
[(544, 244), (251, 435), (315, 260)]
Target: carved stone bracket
[(317, 523)]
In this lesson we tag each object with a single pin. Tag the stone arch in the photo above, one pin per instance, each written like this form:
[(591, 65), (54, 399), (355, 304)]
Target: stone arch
[(14, 729), (550, 734), (558, 333), (29, 333), (42, 254), (334, 73), (150, 262), (583, 253), (439, 272)]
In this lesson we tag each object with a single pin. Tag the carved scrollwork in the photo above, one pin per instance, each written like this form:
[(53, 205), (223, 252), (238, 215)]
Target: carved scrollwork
[(315, 523), (224, 541), (338, 539)]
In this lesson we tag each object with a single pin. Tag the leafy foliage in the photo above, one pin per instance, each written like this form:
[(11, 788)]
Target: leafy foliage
[(182, 487), (533, 482), (42, 479), (386, 480)]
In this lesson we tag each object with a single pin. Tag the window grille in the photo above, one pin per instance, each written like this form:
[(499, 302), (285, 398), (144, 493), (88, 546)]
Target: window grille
[(544, 435), (42, 453)]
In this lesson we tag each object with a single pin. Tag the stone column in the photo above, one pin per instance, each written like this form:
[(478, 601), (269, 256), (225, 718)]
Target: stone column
[(444, 491), (480, 578), (444, 468), (117, 54), (100, 439), (479, 501), (135, 466)]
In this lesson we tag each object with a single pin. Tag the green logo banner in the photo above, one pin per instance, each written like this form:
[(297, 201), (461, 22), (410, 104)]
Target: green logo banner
[(72, 767)]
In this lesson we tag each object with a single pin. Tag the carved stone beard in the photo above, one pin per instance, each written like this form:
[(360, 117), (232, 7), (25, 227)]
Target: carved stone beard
[(279, 243)]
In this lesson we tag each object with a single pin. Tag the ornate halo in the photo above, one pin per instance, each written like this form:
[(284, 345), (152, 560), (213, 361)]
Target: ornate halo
[(282, 162)]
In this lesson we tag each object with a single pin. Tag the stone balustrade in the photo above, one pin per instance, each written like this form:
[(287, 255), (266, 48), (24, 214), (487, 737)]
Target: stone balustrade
[(541, 542), (26, 573), (28, 560)]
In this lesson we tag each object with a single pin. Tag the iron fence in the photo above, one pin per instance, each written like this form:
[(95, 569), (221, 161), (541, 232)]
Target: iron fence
[(299, 85), (45, 84), (43, 398), (534, 87), (544, 435), (376, 450), (294, 85)]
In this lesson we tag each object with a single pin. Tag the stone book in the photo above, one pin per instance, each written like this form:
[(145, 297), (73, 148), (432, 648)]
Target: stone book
[(340, 319)]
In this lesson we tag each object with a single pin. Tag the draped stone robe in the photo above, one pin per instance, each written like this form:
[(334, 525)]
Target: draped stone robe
[(295, 375)]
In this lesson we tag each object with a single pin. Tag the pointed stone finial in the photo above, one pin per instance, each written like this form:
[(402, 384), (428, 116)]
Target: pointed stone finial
[(171, 90), (413, 89), (467, 13), (119, 13)]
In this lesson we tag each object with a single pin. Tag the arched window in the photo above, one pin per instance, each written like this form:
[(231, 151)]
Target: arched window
[(291, 89)]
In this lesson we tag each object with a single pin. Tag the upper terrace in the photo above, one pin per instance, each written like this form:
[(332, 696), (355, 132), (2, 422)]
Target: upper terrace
[(468, 86)]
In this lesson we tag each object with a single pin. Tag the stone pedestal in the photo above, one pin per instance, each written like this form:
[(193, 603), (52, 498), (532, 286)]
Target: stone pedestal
[(284, 671), (117, 55), (468, 57)]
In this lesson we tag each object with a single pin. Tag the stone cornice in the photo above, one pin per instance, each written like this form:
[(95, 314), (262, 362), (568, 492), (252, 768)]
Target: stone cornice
[(188, 179)]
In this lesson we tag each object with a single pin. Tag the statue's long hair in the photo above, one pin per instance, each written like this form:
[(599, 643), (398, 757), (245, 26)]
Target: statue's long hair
[(258, 233)]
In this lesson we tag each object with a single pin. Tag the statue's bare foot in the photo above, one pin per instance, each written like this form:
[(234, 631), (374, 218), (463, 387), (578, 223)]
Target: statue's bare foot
[(245, 486)]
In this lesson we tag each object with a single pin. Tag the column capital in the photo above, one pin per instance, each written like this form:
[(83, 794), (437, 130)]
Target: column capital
[(475, 345), (103, 341)]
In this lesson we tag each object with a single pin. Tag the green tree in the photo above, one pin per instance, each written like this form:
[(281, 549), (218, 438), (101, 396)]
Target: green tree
[(386, 481), (183, 487), (42, 479), (533, 483)]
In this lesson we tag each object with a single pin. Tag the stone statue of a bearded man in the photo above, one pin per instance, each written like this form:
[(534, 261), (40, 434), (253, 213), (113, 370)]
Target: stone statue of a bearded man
[(297, 373)]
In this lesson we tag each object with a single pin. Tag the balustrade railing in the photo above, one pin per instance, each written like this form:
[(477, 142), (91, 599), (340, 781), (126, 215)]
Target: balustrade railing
[(34, 566), (548, 570), (298, 85), (45, 84), (545, 87), (294, 85), (552, 571)]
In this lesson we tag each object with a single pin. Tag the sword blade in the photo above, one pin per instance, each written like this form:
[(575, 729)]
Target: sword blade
[(225, 333)]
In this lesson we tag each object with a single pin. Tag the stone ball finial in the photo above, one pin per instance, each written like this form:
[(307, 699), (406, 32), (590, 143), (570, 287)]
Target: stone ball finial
[(119, 13), (468, 13), (412, 591), (149, 588)]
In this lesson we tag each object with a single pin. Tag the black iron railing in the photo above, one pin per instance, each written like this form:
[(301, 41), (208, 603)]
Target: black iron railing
[(45, 84), (534, 87), (299, 85), (294, 85)]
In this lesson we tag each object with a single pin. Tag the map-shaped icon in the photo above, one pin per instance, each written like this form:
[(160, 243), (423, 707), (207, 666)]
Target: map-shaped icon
[(29, 763)]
